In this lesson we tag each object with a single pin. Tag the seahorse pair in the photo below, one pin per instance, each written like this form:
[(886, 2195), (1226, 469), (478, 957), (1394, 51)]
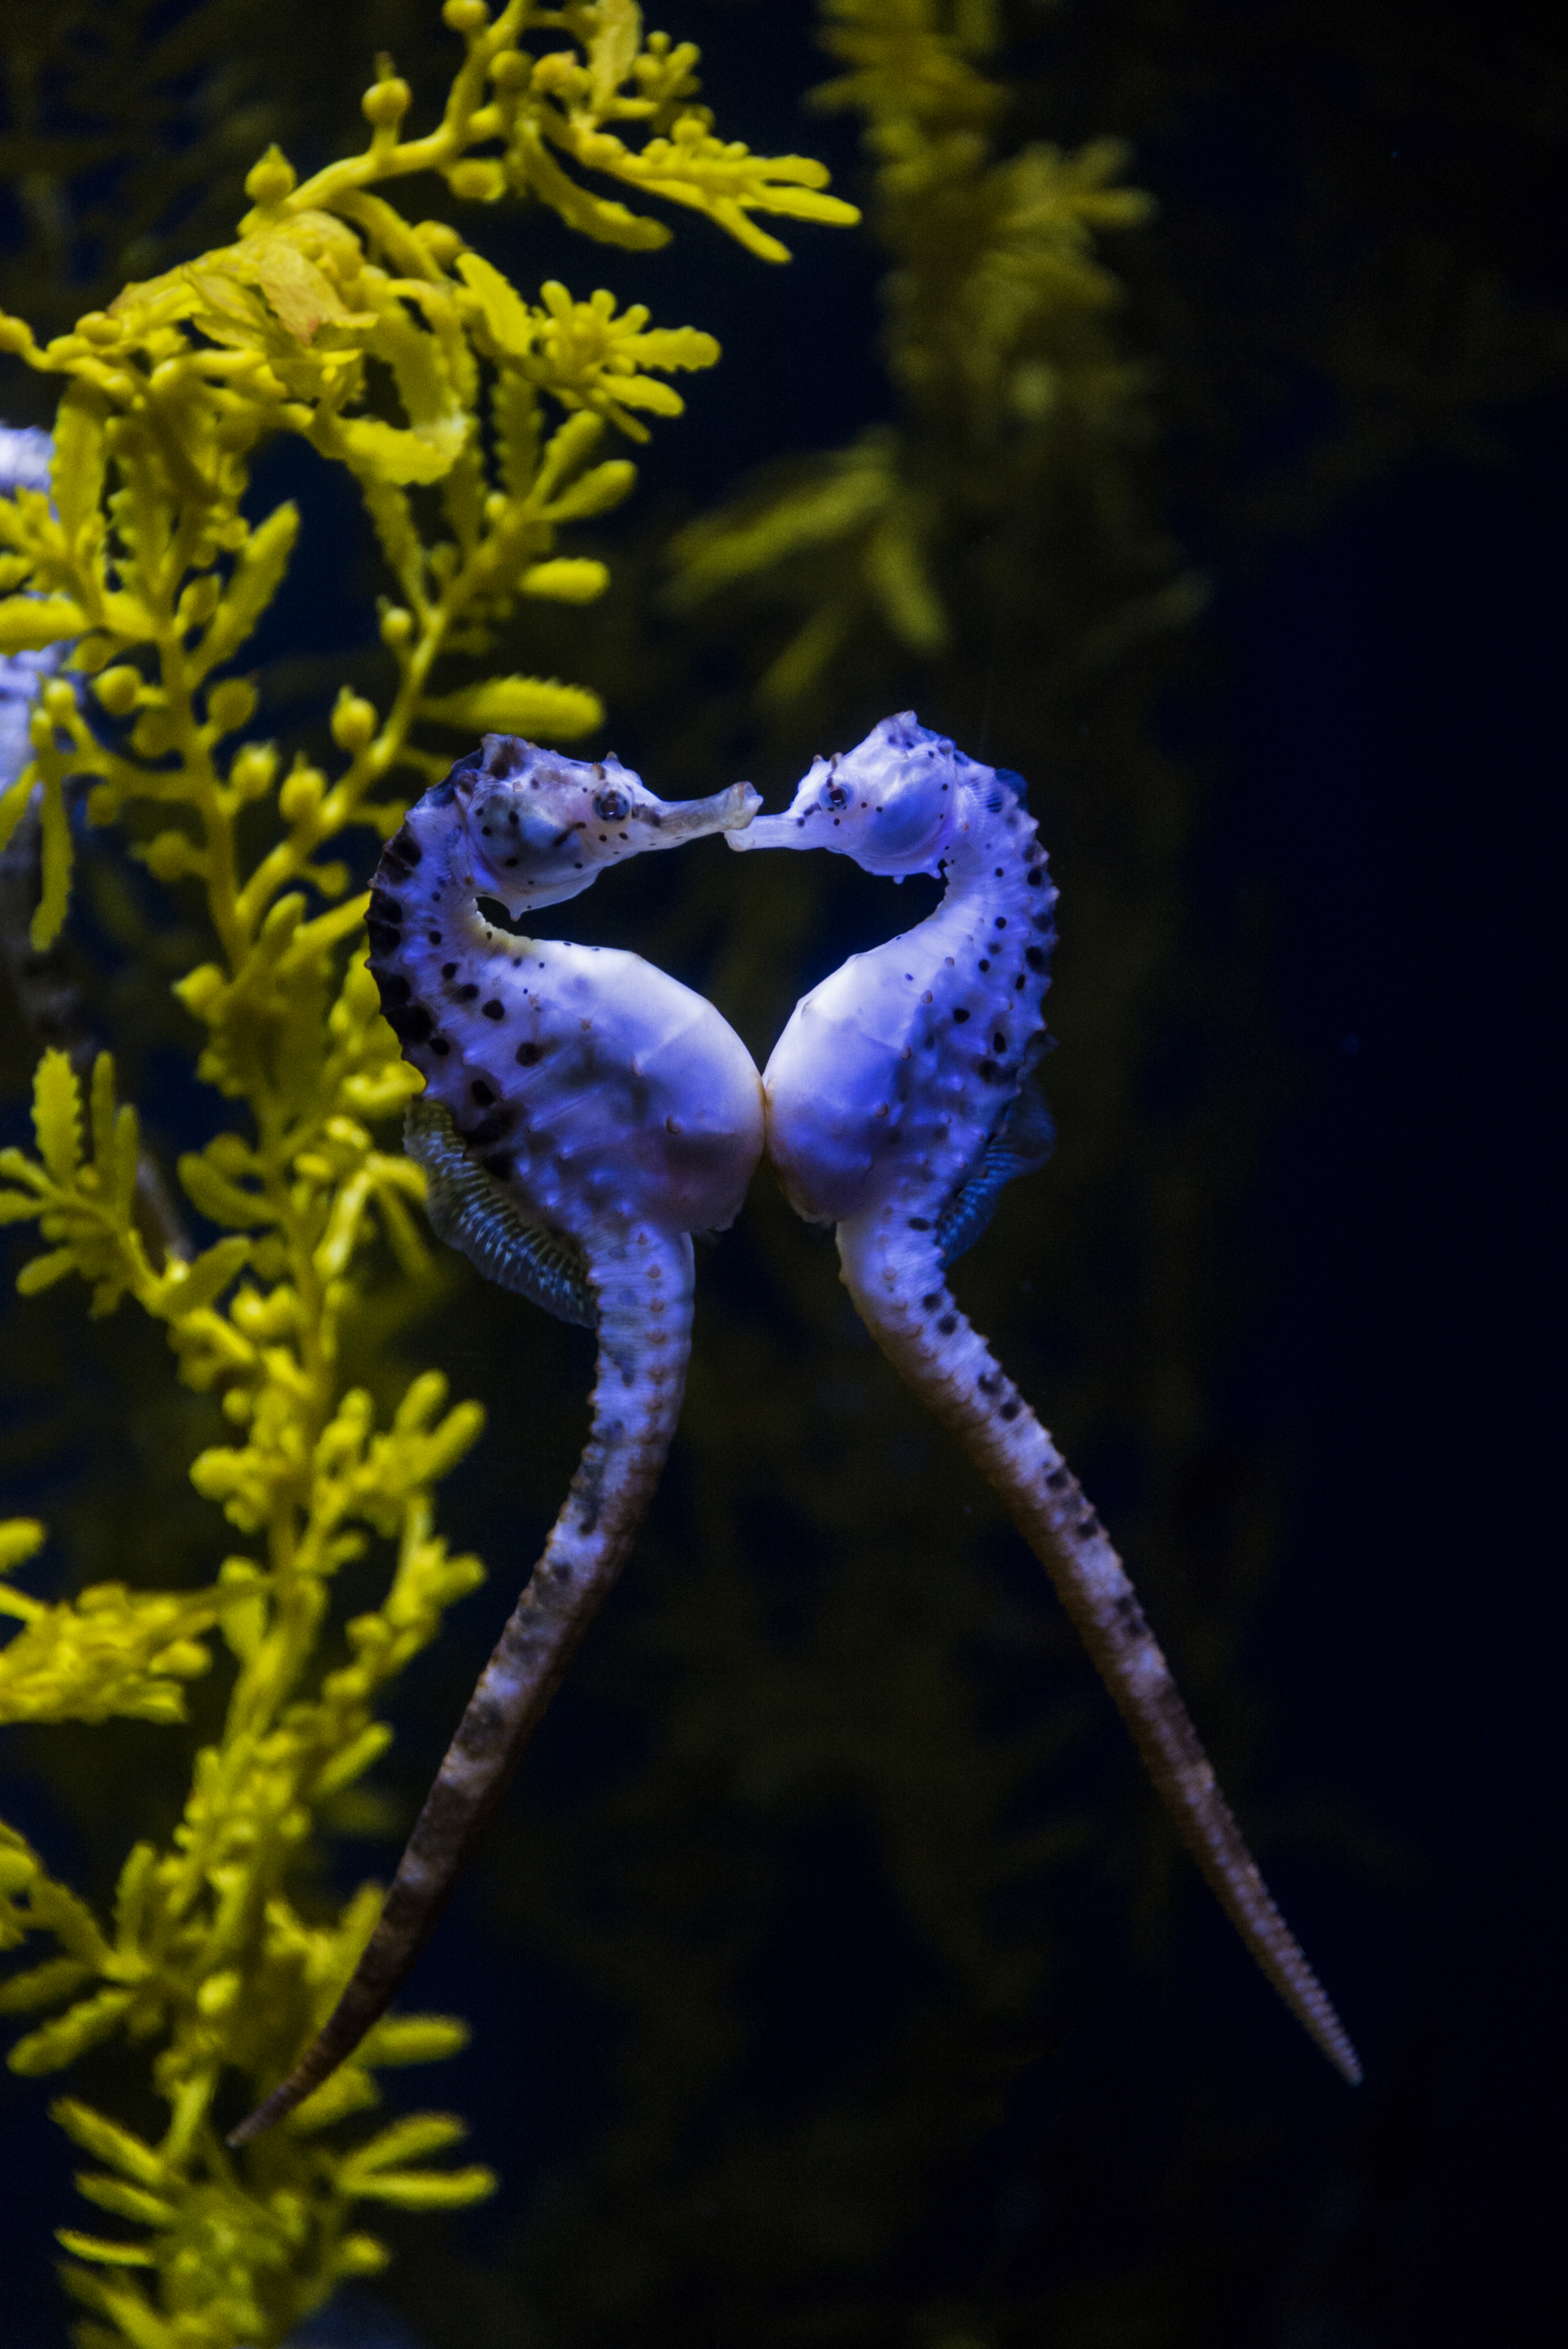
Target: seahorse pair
[(584, 1114)]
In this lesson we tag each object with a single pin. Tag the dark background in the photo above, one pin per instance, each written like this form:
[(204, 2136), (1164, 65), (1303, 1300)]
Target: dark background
[(740, 2087)]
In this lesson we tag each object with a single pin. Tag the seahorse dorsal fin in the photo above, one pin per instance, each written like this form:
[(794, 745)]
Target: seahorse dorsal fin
[(1021, 1144), (472, 1212)]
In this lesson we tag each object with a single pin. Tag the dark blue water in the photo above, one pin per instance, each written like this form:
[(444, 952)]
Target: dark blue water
[(1397, 758)]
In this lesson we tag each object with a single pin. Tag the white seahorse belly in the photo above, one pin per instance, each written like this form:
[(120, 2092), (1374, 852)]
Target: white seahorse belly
[(836, 1090), (610, 1085), (870, 1085)]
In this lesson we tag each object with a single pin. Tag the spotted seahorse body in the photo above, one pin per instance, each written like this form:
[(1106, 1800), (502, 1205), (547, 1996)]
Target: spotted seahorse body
[(584, 1114), (899, 1097)]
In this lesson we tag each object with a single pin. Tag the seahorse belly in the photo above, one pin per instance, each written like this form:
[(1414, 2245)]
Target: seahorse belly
[(598, 1083), (857, 1050)]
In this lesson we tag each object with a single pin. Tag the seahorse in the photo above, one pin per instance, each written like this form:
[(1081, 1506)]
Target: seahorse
[(901, 1097), (584, 1115)]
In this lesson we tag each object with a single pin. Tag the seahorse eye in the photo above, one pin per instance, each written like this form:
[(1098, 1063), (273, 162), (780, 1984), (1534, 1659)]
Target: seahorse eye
[(610, 807), (835, 796)]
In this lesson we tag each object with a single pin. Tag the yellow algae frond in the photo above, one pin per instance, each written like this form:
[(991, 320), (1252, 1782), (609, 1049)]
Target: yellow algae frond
[(474, 418), (998, 338)]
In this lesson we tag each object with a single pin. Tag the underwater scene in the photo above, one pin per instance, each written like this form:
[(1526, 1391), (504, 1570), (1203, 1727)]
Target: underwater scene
[(749, 1599)]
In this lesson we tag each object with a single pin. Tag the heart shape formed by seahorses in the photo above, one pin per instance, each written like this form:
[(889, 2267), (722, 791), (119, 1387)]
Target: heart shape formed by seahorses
[(584, 1114), (901, 1097)]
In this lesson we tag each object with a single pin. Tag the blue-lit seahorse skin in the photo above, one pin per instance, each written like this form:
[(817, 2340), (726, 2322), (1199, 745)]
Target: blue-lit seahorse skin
[(584, 1114), (900, 1097)]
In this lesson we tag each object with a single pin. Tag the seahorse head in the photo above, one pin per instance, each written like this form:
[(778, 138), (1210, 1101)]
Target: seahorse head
[(590, 1083), (538, 827), (895, 803)]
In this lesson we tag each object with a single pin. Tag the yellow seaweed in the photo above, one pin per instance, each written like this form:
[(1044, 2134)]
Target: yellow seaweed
[(998, 338), (143, 559)]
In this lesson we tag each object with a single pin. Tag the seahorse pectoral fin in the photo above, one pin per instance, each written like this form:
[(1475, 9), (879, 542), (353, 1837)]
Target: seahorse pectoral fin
[(474, 1213)]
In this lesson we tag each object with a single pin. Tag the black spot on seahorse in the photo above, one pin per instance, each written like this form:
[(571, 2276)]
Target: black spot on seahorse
[(488, 1130), (1058, 1477), (947, 1325), (960, 1015), (449, 970), (588, 1487), (1035, 957), (411, 1025), (919, 1223), (930, 1304), (1010, 1411), (473, 764), (403, 850), (1128, 1611), (989, 1384), (394, 990), (494, 1008), (529, 1054), (481, 1092), (467, 993)]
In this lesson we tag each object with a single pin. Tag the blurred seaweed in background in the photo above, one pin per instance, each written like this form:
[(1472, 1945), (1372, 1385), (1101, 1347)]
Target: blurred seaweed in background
[(819, 1956)]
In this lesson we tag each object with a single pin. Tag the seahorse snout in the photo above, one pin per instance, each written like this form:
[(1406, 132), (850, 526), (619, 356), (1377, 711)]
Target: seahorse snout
[(772, 831), (729, 810)]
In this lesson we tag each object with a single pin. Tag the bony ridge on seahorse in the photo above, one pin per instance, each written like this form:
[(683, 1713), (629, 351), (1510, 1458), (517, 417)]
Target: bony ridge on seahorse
[(584, 1115), (901, 1097)]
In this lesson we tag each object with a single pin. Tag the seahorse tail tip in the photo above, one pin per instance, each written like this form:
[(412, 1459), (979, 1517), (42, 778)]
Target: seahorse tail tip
[(1334, 2040), (270, 2110), (363, 2004), (1309, 2002)]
